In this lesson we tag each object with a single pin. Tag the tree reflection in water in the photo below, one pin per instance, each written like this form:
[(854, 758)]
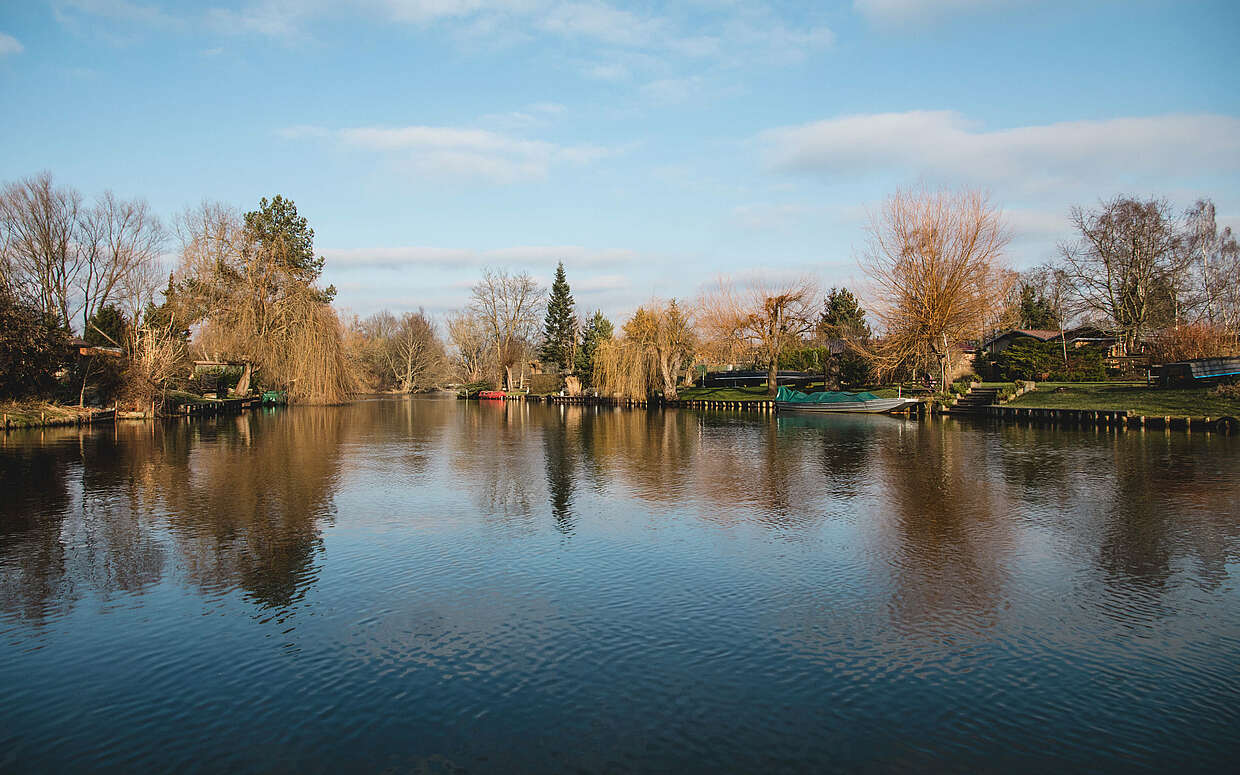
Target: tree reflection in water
[(937, 509), (239, 501)]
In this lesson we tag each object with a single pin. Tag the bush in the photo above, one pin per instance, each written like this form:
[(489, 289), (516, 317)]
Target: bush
[(32, 349), (1197, 340), (1227, 390), (1028, 359), (1085, 364), (1039, 361)]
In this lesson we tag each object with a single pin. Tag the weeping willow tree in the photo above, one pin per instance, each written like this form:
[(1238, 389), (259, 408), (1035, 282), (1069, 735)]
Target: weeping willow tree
[(657, 346), (250, 286)]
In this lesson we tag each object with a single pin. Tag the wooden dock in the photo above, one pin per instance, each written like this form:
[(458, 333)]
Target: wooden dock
[(1111, 418)]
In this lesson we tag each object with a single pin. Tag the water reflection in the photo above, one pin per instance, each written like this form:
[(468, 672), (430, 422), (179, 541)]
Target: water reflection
[(560, 459), (491, 584)]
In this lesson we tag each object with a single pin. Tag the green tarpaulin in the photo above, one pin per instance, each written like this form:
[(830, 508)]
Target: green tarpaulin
[(797, 397)]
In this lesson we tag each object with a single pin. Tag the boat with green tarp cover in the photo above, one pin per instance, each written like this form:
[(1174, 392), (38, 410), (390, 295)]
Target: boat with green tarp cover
[(836, 401)]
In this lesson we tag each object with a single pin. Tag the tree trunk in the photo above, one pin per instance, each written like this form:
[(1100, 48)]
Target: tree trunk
[(772, 376), (82, 392), (243, 384)]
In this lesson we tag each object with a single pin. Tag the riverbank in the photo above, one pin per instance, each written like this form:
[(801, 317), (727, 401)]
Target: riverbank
[(1135, 398), (41, 414)]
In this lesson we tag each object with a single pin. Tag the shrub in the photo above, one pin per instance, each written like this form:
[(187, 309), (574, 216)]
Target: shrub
[(1034, 360), (1227, 390), (1028, 359), (32, 349), (1085, 364), (1189, 342)]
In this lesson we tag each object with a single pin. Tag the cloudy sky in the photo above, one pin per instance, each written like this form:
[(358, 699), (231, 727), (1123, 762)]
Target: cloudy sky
[(649, 146)]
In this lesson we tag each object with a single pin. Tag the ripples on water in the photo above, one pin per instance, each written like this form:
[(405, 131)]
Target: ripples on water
[(438, 586)]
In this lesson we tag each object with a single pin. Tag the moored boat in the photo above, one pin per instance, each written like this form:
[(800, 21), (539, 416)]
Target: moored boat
[(789, 400)]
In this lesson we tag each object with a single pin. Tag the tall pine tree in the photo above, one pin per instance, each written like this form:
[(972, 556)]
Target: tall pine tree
[(559, 329)]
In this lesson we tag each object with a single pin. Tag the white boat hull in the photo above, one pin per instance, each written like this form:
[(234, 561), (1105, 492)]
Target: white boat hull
[(869, 407)]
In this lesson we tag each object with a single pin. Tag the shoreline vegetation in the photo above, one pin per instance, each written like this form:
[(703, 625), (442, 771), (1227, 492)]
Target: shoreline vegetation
[(1176, 407), (243, 317)]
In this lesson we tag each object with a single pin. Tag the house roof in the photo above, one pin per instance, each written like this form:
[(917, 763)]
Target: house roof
[(1042, 335)]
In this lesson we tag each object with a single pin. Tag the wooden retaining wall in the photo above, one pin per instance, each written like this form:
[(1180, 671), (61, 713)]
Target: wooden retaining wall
[(1112, 418), (224, 406), (760, 405)]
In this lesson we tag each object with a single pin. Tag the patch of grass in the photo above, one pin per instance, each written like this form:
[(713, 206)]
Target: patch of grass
[(723, 394), (1131, 396), (31, 414)]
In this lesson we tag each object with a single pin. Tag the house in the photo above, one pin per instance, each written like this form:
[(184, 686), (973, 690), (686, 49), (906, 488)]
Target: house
[(1081, 336), (999, 343)]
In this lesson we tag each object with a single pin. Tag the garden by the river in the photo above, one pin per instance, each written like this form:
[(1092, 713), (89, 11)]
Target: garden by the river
[(440, 586)]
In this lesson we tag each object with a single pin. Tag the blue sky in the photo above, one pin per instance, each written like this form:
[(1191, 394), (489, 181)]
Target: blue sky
[(649, 146)]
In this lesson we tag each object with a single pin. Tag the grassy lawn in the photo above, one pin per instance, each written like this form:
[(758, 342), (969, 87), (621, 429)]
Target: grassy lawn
[(1132, 396), (723, 394)]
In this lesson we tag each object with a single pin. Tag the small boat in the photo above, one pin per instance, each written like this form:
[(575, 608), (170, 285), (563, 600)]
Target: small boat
[(789, 400)]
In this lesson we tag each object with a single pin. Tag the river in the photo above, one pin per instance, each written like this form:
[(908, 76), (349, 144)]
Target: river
[(433, 585)]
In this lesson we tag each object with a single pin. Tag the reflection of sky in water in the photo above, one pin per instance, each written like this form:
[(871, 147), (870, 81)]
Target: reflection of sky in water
[(425, 583)]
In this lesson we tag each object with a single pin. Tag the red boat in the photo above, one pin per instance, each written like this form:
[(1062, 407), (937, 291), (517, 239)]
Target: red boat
[(494, 395)]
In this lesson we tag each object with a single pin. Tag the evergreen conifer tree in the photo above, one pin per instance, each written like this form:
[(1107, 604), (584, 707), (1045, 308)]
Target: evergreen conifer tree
[(598, 329), (559, 328)]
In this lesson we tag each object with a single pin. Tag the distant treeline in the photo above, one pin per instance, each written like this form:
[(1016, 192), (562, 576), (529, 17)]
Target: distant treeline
[(245, 289)]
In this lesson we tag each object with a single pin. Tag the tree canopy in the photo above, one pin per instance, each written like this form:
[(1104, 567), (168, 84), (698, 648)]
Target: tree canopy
[(597, 329)]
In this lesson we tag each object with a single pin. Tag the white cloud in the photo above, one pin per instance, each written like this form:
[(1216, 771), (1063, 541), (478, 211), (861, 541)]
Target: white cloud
[(460, 152), (10, 45), (900, 12), (599, 21), (949, 148), (736, 34)]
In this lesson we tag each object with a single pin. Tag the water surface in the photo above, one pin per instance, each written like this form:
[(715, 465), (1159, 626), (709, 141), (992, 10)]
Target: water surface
[(441, 586)]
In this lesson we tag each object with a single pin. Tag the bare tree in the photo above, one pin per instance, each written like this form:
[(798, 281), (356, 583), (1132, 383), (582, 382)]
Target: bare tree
[(934, 259), (1130, 257), (509, 306), (765, 319), (1215, 268), (413, 352), (1056, 291), (44, 256), (472, 346), (121, 242)]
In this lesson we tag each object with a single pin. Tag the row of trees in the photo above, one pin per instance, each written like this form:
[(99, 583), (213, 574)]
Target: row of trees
[(1136, 267), (246, 288), (1165, 283), (69, 259)]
